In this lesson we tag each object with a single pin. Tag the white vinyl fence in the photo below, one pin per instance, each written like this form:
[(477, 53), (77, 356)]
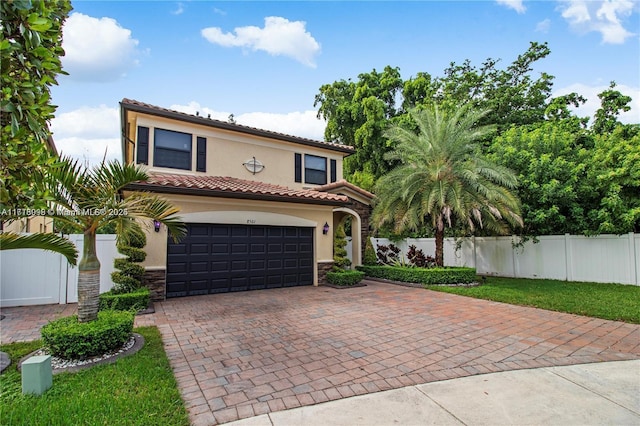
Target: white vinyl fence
[(603, 258), (38, 277)]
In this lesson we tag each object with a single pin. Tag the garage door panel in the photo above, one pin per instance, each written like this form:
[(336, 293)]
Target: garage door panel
[(239, 231), (239, 266), (224, 258), (306, 263), (258, 248), (219, 231), (274, 248), (220, 248), (219, 265), (305, 248), (291, 248), (196, 248), (257, 265), (239, 248), (257, 283)]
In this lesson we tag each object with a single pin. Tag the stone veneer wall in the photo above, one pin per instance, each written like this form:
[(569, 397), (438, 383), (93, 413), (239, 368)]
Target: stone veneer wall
[(323, 268), (364, 211), (156, 281)]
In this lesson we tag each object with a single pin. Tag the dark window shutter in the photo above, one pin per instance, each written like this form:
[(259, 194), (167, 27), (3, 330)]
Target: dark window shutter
[(143, 145), (298, 164), (201, 160), (334, 172)]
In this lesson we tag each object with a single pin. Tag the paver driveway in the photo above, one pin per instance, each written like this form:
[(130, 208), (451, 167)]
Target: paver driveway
[(244, 354)]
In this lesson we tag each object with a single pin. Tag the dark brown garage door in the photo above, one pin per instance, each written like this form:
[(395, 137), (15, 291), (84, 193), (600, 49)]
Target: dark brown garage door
[(224, 258)]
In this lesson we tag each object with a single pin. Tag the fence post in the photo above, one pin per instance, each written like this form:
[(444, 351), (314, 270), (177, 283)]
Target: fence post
[(568, 257), (633, 259)]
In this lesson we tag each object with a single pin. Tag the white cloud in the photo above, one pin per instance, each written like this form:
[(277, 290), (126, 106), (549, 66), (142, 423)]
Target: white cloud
[(179, 10), (604, 16), (278, 37), (593, 102), (87, 133), (543, 26), (97, 49), (299, 123), (513, 4)]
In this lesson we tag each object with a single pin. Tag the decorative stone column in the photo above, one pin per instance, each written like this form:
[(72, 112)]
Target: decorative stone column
[(156, 281), (323, 268)]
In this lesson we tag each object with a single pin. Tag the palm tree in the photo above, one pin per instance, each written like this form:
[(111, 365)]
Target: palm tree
[(49, 242), (87, 199), (443, 179)]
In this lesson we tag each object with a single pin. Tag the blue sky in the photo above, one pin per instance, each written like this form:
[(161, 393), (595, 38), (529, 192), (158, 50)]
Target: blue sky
[(265, 61)]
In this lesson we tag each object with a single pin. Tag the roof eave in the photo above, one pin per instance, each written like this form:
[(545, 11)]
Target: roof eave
[(149, 187), (232, 127)]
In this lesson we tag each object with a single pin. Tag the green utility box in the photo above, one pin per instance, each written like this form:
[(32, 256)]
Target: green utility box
[(37, 375)]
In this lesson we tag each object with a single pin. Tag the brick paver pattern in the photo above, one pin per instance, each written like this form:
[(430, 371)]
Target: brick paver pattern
[(244, 354)]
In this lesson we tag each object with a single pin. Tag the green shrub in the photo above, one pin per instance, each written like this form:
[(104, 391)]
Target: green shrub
[(67, 338), (340, 258), (370, 257), (345, 278), (421, 275), (134, 301), (129, 276)]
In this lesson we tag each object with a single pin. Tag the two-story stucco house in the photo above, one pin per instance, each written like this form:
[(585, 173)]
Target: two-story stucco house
[(260, 206)]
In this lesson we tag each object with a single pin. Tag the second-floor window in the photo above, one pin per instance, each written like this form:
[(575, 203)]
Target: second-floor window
[(314, 169), (172, 149)]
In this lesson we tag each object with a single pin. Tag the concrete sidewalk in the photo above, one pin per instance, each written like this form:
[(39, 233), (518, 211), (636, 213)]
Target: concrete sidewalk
[(605, 393)]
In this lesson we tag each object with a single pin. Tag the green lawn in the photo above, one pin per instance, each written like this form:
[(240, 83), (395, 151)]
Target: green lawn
[(608, 301), (136, 390)]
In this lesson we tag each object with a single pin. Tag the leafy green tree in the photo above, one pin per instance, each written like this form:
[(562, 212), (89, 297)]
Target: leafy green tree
[(357, 114), (551, 165), (573, 179), (30, 48), (511, 95), (94, 197), (612, 103), (614, 172), (443, 179)]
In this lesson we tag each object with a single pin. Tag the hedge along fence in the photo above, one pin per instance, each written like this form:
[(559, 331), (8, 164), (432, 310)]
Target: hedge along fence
[(427, 276)]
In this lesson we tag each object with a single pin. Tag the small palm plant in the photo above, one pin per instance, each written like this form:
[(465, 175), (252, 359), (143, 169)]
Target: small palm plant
[(442, 178), (87, 199)]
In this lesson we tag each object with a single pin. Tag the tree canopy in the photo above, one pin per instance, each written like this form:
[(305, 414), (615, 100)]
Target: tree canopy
[(577, 174)]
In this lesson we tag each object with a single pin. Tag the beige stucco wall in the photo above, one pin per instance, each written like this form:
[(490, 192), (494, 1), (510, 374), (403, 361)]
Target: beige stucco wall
[(195, 209), (227, 151)]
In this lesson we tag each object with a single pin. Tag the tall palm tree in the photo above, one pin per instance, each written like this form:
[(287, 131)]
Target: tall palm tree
[(443, 179), (87, 199)]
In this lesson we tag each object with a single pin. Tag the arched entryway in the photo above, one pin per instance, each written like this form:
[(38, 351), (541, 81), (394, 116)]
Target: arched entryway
[(343, 215)]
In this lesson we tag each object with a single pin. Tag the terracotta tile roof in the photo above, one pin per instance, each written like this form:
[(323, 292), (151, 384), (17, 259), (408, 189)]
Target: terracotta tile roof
[(344, 184), (230, 187), (133, 105)]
